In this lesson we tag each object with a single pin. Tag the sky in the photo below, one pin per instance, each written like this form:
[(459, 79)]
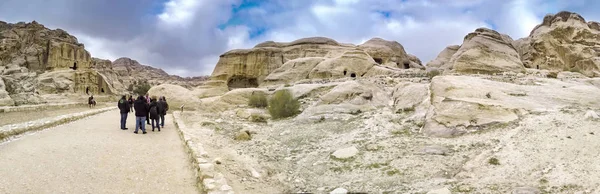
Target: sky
[(186, 37)]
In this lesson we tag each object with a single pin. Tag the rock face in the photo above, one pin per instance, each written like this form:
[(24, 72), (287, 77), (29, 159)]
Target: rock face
[(308, 58), (563, 42), (483, 51), (35, 60), (29, 53), (443, 58)]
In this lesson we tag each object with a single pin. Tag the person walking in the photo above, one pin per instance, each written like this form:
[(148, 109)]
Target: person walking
[(124, 109), (154, 113), (91, 101), (130, 101), (141, 110), (164, 107), (148, 103)]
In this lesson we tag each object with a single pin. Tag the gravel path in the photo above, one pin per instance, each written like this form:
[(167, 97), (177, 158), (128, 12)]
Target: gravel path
[(8, 118), (93, 155)]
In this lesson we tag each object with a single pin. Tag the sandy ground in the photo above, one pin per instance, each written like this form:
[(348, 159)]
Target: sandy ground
[(8, 118), (552, 152), (93, 155)]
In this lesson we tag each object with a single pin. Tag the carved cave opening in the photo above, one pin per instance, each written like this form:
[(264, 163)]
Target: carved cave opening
[(353, 75), (74, 66), (102, 90), (345, 72), (406, 65), (87, 90), (378, 60), (537, 66), (240, 81)]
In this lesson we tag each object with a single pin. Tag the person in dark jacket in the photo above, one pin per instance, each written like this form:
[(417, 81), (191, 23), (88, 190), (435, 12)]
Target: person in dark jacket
[(124, 109), (141, 110), (164, 107), (130, 101), (155, 111), (147, 98)]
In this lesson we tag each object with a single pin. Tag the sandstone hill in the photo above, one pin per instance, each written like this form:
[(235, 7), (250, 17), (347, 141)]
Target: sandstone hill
[(563, 42), (36, 62), (502, 116)]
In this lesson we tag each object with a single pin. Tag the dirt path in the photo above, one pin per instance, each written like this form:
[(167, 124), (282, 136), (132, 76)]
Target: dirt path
[(8, 118), (93, 155)]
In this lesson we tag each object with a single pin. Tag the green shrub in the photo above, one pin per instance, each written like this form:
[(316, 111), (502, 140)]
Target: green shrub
[(258, 100), (258, 118), (142, 89), (283, 105)]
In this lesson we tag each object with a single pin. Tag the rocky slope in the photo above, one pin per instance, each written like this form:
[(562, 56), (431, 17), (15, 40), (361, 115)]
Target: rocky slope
[(493, 122), (36, 62)]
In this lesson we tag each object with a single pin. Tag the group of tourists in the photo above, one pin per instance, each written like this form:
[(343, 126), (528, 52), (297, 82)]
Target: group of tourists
[(149, 109)]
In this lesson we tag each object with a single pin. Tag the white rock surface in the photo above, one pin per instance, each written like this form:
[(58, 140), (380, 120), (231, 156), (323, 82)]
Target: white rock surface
[(345, 153)]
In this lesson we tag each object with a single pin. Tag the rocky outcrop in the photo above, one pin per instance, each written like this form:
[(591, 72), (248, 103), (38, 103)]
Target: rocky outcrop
[(308, 58), (35, 60), (483, 51), (443, 58), (128, 72), (563, 42)]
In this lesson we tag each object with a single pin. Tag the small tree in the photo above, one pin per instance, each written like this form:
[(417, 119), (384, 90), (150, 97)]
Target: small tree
[(130, 87), (258, 100), (142, 89), (283, 105)]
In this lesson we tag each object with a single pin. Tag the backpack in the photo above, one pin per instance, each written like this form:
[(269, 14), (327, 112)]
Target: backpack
[(153, 111)]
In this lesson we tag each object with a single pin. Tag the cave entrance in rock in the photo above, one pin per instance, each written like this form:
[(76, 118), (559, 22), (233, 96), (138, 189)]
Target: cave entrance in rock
[(74, 66), (241, 81), (102, 90), (406, 65), (353, 75), (537, 66), (378, 60), (87, 90), (345, 72)]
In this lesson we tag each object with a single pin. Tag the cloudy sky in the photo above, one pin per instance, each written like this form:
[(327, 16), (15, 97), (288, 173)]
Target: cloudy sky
[(186, 37)]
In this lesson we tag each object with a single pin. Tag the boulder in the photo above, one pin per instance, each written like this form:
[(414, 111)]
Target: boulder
[(356, 93), (460, 102), (5, 99), (486, 51), (176, 96), (240, 96), (389, 53), (563, 42), (345, 153), (55, 82), (443, 58), (407, 96)]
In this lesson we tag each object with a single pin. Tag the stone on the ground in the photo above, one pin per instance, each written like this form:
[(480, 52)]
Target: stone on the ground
[(242, 136), (525, 190), (339, 191), (440, 191), (434, 150), (591, 115), (345, 153)]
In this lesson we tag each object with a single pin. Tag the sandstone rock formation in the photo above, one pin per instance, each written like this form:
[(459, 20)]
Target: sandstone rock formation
[(28, 51), (483, 51), (37, 61), (563, 42), (308, 58)]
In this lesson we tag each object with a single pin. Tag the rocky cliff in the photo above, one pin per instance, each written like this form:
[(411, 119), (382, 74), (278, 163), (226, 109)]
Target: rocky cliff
[(562, 42), (309, 58), (37, 61)]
